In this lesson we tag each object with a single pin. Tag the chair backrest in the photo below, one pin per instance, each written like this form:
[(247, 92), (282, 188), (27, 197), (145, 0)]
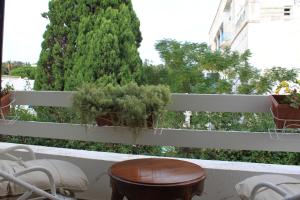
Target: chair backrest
[(269, 186), (18, 177)]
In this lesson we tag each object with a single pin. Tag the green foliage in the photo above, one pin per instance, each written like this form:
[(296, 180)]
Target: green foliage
[(58, 45), (219, 61), (272, 77), (107, 45), (54, 114), (4, 70), (6, 89), (171, 120), (24, 72), (14, 64), (154, 75), (23, 114), (279, 74), (194, 68), (130, 105), (180, 70), (177, 55), (8, 66), (86, 40), (190, 67), (294, 98), (292, 94)]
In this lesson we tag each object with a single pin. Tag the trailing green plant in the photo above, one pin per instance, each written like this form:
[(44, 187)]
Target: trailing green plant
[(6, 90), (292, 93), (128, 105)]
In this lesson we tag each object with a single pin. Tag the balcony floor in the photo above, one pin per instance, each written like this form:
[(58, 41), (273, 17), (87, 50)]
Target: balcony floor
[(219, 185)]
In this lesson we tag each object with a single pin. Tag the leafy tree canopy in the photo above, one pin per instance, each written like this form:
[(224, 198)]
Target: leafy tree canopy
[(24, 72), (191, 67)]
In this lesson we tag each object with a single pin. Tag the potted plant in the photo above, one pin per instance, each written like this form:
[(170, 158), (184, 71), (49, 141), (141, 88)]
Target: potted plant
[(285, 108), (5, 96), (128, 105)]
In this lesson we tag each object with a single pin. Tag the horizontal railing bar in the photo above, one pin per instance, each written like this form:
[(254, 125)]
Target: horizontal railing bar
[(220, 103), (180, 102), (44, 98), (166, 137)]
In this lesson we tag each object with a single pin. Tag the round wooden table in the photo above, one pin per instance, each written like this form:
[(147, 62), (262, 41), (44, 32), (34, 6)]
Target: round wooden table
[(156, 179)]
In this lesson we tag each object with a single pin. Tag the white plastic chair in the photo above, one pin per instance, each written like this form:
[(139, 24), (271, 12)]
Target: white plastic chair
[(269, 186), (24, 180)]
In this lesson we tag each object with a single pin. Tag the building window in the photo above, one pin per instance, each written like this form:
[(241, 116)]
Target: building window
[(287, 11), (221, 34), (217, 41)]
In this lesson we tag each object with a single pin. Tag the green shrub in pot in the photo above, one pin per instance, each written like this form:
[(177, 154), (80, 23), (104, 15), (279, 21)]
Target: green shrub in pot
[(5, 96), (127, 105)]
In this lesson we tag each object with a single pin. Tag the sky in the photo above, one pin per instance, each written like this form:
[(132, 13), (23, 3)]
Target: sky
[(182, 20)]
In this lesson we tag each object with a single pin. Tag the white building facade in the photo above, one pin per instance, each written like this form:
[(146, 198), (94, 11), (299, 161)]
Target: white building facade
[(270, 29), (17, 83)]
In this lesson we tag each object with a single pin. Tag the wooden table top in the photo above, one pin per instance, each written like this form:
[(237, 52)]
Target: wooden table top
[(157, 171)]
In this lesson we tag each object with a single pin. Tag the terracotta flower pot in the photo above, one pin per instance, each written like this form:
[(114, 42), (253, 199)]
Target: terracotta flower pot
[(112, 118), (150, 121), (284, 113), (107, 120), (5, 101)]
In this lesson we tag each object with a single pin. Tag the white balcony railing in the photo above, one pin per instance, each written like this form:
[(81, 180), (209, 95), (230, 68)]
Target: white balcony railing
[(237, 140), (222, 176)]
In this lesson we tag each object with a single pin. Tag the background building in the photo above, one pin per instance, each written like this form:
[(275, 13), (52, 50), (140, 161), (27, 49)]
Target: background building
[(17, 82), (269, 28)]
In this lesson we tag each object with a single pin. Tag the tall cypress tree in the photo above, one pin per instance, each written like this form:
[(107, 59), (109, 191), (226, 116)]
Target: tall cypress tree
[(87, 40), (58, 45), (107, 46)]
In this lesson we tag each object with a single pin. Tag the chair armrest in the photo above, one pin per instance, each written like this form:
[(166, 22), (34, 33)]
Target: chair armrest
[(269, 186), (14, 178), (294, 197), (7, 153), (40, 169)]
